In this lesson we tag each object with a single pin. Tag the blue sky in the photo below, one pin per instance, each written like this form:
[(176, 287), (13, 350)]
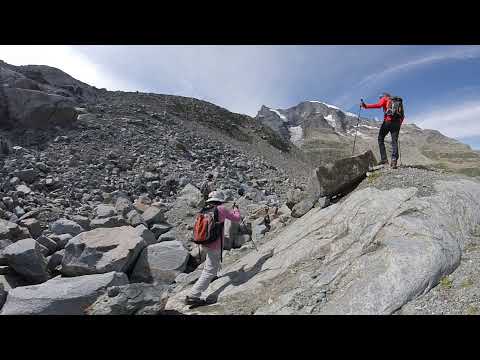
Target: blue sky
[(440, 84)]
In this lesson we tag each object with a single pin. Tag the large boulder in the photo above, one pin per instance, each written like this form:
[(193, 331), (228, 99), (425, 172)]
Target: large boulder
[(9, 230), (170, 235), (161, 263), (27, 258), (307, 204), (103, 250), (335, 177), (65, 226), (48, 243), (61, 296), (303, 207), (37, 109), (123, 206), (160, 229), (33, 225), (134, 218), (132, 299), (191, 195), (294, 197), (153, 215), (55, 260), (12, 280), (61, 240)]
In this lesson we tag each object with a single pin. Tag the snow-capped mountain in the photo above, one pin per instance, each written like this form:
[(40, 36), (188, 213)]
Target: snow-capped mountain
[(326, 133)]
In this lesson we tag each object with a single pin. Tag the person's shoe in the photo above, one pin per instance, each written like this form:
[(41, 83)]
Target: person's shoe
[(394, 164), (383, 162), (193, 301)]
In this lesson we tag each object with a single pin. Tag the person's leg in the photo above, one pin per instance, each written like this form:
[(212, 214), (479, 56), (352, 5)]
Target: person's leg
[(210, 269), (394, 132), (384, 129)]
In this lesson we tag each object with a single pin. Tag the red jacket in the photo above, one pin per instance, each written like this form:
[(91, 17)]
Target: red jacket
[(383, 103)]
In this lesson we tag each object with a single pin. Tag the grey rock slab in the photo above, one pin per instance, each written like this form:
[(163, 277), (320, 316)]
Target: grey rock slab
[(371, 253), (103, 250), (61, 296), (161, 263)]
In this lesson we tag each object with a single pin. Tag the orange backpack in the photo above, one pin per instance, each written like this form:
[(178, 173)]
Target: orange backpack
[(207, 228)]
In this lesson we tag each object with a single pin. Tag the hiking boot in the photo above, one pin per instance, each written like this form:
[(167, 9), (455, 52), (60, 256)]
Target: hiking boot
[(383, 162), (394, 164), (194, 301)]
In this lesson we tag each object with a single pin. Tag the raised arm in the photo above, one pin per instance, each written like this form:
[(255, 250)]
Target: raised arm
[(233, 216), (378, 105)]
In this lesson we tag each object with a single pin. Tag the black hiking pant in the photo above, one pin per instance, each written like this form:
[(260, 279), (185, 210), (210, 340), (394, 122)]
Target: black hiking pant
[(392, 127)]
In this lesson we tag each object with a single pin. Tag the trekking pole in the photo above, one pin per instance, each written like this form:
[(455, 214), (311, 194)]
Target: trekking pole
[(399, 152), (245, 225), (356, 128), (241, 192)]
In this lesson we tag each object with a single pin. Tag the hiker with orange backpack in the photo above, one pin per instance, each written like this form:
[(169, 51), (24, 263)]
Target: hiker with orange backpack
[(392, 121), (208, 232)]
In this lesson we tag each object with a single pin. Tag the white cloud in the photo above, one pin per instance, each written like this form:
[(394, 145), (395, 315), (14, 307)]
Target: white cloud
[(455, 53), (62, 57), (456, 120)]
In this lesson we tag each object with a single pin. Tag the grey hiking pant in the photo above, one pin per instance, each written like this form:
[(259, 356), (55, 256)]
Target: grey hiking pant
[(394, 129), (210, 270)]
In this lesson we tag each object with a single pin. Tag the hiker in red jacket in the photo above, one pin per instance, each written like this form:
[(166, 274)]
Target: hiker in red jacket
[(391, 124)]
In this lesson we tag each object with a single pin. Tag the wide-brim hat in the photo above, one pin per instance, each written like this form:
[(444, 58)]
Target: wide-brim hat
[(216, 196)]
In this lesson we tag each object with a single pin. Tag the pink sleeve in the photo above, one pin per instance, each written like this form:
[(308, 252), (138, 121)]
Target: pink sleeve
[(233, 216)]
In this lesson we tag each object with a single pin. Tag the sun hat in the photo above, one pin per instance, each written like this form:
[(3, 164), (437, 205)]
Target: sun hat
[(216, 196)]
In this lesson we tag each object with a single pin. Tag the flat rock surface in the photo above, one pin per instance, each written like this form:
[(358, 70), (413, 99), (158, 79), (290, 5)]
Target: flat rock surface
[(103, 250), (61, 296)]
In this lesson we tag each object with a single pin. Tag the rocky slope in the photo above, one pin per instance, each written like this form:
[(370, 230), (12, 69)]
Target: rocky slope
[(373, 252), (90, 174), (326, 133)]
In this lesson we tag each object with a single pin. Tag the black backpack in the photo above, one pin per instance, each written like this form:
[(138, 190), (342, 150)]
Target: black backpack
[(395, 108)]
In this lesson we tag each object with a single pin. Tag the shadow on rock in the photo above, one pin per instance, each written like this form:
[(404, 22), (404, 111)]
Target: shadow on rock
[(240, 277)]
